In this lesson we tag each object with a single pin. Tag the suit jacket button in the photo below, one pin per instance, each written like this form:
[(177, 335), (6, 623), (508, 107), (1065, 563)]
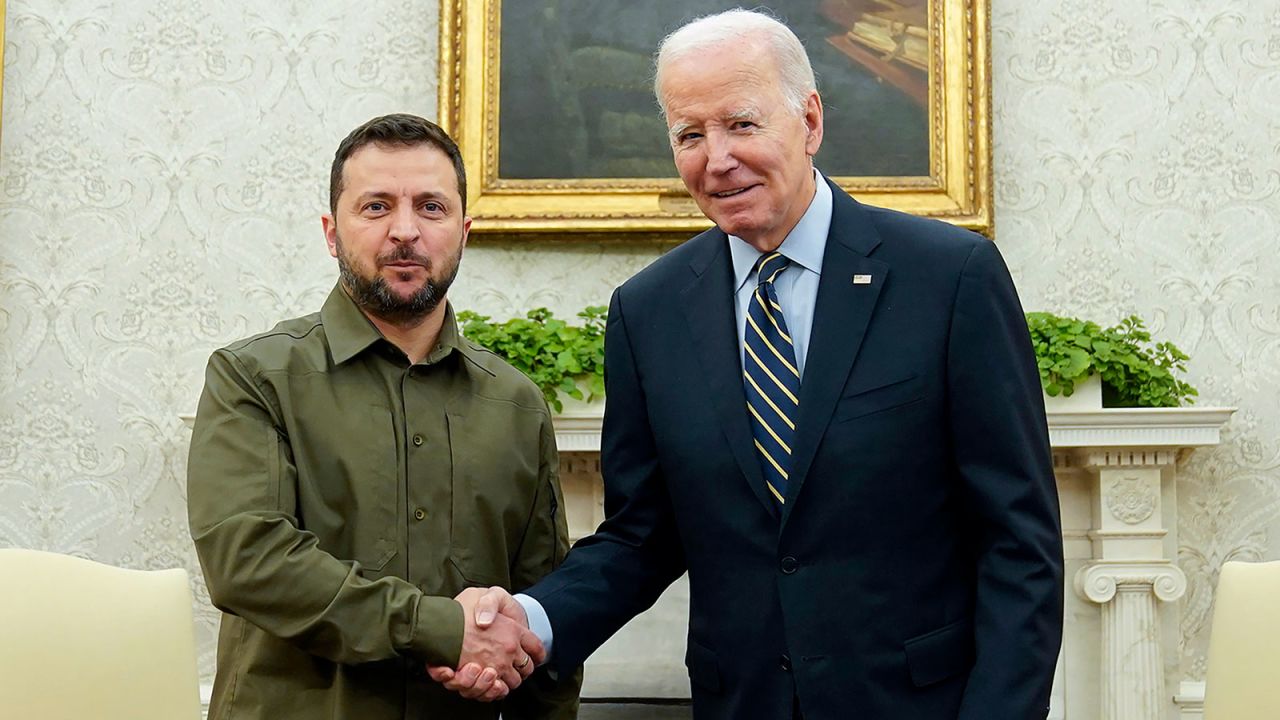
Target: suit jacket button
[(784, 662), (789, 565)]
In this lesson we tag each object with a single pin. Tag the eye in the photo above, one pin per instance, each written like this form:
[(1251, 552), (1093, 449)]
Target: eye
[(744, 124), (432, 206), (687, 137), (376, 206)]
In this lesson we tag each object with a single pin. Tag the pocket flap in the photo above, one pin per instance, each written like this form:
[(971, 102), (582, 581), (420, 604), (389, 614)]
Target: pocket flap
[(940, 654), (879, 395)]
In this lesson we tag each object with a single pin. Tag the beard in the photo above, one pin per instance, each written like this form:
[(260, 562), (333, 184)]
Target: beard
[(373, 295)]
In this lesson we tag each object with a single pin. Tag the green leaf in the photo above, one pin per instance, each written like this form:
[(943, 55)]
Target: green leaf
[(556, 356), (1134, 371), (1079, 363)]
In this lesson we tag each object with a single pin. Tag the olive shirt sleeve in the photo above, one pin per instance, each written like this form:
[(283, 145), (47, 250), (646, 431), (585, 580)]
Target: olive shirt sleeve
[(257, 562), (543, 696)]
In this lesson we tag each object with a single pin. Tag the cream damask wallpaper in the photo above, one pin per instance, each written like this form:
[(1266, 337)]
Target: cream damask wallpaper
[(163, 166)]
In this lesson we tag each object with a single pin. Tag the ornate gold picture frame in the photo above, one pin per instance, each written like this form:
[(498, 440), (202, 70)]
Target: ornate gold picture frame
[(551, 104), (2, 21)]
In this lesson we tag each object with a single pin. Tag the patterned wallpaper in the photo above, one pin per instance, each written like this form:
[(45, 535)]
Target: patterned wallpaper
[(163, 166), (1137, 170)]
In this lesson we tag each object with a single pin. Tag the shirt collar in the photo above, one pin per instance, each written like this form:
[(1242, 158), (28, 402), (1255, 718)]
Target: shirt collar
[(350, 333), (804, 245)]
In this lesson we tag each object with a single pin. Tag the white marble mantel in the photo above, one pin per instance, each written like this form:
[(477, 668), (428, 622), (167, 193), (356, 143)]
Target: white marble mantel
[(1116, 471), (1177, 428)]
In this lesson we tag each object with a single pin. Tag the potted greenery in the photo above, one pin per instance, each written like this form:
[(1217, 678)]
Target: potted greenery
[(1134, 371), (560, 358), (1121, 362)]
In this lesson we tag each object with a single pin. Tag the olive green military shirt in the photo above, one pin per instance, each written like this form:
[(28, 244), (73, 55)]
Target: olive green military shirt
[(339, 497)]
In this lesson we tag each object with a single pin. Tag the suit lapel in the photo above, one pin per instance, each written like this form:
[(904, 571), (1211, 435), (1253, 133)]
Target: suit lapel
[(709, 308), (841, 316)]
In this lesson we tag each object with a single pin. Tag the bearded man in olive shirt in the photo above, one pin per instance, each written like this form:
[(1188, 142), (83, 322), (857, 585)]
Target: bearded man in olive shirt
[(354, 469)]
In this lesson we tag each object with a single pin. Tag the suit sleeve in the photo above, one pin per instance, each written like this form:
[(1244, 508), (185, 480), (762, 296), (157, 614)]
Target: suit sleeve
[(260, 565), (1001, 443), (622, 569)]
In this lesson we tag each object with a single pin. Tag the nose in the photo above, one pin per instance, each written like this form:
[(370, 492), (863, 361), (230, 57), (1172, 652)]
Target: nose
[(404, 224), (720, 153)]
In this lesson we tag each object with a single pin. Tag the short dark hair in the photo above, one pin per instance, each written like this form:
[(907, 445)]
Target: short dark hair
[(397, 129)]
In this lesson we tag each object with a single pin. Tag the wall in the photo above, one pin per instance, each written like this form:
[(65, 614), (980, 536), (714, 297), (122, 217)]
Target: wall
[(163, 165), (1137, 172)]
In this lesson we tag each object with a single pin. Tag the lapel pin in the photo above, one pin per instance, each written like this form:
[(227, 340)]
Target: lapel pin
[(861, 279)]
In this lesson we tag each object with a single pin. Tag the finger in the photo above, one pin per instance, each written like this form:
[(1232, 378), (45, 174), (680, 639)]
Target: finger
[(465, 678), (489, 605), (483, 684), (526, 668), (532, 645), (497, 692), (440, 673), (511, 677), (509, 606)]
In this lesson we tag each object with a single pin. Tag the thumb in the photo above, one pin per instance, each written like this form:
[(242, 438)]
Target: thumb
[(489, 605), (440, 673)]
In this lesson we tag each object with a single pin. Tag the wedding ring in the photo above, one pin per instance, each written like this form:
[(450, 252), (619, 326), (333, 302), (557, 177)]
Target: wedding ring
[(521, 665)]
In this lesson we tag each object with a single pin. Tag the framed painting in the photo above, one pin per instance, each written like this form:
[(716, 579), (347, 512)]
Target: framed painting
[(551, 102)]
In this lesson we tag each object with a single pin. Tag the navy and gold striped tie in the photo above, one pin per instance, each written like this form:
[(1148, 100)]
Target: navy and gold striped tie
[(771, 376)]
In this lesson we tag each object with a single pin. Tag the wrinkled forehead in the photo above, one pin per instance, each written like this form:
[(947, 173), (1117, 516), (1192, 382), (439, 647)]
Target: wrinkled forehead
[(741, 75)]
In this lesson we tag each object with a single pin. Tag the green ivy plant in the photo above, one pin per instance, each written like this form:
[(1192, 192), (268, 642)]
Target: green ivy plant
[(564, 358), (557, 356), (1134, 371)]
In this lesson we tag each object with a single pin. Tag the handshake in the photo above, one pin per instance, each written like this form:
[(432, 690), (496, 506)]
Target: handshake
[(498, 649)]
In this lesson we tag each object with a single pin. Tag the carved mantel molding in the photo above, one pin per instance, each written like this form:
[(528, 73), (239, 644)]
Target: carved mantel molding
[(1170, 429)]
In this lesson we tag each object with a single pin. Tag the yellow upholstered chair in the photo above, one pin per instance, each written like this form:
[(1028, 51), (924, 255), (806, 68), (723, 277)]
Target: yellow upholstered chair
[(81, 640), (1244, 644)]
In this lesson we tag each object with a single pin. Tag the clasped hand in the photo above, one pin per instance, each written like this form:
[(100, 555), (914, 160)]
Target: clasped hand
[(498, 649)]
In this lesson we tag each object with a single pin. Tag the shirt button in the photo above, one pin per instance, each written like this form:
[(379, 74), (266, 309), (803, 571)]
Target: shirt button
[(789, 565), (420, 514), (417, 440)]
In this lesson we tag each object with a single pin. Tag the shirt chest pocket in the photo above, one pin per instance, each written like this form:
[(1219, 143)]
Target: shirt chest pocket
[(495, 456)]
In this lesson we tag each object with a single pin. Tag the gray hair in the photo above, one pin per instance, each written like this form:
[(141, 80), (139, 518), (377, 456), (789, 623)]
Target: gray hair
[(794, 70)]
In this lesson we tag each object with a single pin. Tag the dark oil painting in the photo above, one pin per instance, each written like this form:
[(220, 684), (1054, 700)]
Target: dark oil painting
[(576, 95)]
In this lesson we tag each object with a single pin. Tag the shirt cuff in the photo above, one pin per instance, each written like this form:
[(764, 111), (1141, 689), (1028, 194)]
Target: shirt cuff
[(539, 623), (438, 626)]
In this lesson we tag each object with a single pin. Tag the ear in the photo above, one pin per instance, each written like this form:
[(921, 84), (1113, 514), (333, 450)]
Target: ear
[(813, 123), (466, 229), (330, 233)]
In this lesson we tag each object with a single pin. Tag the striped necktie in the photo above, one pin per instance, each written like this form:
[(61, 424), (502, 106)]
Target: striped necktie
[(771, 376)]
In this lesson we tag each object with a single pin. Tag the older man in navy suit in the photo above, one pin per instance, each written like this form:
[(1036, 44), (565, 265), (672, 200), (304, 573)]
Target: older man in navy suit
[(829, 415)]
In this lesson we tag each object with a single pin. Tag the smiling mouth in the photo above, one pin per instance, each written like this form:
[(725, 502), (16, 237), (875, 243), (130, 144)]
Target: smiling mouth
[(730, 193)]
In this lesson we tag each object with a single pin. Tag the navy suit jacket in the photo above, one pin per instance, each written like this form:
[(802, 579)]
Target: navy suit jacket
[(916, 569)]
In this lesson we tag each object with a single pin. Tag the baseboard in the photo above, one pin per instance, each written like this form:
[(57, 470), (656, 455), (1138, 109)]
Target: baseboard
[(1190, 700)]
